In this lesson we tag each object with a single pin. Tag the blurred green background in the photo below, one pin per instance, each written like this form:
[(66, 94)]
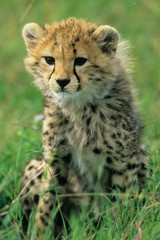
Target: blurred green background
[(20, 101)]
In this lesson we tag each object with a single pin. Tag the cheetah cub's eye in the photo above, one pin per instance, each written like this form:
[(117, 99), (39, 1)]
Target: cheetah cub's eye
[(49, 60), (80, 61)]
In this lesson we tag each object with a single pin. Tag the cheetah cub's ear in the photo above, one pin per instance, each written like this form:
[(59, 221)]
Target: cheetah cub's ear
[(107, 38), (32, 33)]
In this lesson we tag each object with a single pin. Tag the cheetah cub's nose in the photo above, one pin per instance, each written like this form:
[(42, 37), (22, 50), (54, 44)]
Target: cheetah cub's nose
[(62, 82)]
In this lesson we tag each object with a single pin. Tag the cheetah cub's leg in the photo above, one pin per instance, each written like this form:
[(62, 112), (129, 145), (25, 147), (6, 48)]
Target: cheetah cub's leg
[(133, 178), (45, 186), (37, 195), (130, 181), (41, 183), (54, 180), (53, 209), (32, 185)]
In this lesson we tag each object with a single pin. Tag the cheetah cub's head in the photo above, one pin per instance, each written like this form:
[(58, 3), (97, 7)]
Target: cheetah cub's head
[(72, 59)]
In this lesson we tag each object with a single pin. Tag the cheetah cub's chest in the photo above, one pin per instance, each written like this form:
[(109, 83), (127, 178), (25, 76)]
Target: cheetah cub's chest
[(91, 159)]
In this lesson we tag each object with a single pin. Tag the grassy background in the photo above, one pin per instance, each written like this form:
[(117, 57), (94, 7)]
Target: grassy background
[(20, 101)]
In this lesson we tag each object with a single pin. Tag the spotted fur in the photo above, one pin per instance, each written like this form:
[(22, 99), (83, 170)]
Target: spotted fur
[(90, 117)]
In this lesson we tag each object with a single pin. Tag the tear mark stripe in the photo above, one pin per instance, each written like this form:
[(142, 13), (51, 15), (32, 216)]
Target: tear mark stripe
[(51, 73), (78, 78)]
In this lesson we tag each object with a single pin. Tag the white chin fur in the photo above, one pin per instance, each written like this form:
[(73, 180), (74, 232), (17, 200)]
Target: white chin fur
[(81, 98)]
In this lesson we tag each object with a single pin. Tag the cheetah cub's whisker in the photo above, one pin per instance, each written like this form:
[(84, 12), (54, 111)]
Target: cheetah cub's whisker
[(90, 122)]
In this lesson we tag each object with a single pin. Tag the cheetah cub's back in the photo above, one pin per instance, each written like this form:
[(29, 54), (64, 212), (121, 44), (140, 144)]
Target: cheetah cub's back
[(90, 116)]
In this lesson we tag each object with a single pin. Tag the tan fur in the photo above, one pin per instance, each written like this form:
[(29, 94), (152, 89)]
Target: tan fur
[(90, 117)]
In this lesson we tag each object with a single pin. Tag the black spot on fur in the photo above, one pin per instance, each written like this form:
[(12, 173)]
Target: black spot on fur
[(118, 172), (119, 144), (62, 180), (113, 135), (99, 79), (102, 131), (46, 105), (126, 127), (118, 152), (67, 158), (46, 133), (36, 198), (133, 154), (28, 212), (39, 176), (71, 128), (108, 97), (51, 138), (58, 171), (97, 150), (32, 183), (110, 147), (123, 155), (54, 162), (64, 122), (51, 125), (77, 39), (85, 108), (132, 166), (105, 142), (93, 108), (113, 117), (51, 207), (95, 66), (116, 90), (30, 167), (109, 183), (51, 114), (102, 116), (43, 221), (143, 166), (83, 116), (88, 121), (63, 142), (47, 214), (109, 160), (108, 152), (41, 210), (26, 202), (141, 175), (119, 134), (52, 192), (112, 107)]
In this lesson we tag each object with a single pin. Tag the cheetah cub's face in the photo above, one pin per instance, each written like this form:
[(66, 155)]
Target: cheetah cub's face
[(72, 58)]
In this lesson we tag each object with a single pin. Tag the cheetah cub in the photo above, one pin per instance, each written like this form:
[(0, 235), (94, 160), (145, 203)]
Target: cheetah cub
[(90, 119)]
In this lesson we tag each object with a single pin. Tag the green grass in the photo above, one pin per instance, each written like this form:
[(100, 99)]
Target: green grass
[(20, 101)]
